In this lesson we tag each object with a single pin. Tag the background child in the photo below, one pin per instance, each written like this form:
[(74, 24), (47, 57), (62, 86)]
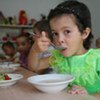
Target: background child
[(70, 23), (10, 51), (38, 28), (24, 44), (98, 42)]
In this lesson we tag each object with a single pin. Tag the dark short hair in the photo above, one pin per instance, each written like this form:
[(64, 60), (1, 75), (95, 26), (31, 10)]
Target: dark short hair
[(43, 25), (8, 44), (81, 14), (27, 36)]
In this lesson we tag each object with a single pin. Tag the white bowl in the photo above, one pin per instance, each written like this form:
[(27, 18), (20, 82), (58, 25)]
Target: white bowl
[(51, 83), (8, 67), (12, 81)]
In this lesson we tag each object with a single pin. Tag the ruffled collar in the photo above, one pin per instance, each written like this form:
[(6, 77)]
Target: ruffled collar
[(81, 66)]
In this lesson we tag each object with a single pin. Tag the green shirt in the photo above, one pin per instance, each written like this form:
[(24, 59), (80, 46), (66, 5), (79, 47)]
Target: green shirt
[(85, 68)]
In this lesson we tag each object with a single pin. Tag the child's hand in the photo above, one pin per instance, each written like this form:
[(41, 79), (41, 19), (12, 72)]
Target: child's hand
[(77, 90), (41, 42)]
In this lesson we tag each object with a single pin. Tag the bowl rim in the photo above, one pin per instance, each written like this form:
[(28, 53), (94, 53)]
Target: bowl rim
[(48, 84)]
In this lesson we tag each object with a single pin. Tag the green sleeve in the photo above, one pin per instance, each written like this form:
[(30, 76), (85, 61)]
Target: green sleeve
[(98, 61)]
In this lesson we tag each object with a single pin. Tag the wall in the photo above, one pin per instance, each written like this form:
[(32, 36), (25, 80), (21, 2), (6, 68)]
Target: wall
[(35, 7), (94, 6)]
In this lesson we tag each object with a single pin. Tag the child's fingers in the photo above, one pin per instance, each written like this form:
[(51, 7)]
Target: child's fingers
[(43, 34), (77, 90), (45, 38)]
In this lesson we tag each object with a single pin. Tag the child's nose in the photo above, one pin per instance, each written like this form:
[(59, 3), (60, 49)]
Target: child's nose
[(61, 39)]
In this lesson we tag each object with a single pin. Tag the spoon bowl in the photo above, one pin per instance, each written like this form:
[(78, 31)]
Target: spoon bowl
[(57, 47)]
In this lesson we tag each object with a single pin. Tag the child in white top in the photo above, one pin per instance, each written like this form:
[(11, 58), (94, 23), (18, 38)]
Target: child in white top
[(10, 51)]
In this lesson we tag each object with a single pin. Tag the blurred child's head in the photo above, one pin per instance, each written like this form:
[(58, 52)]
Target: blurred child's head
[(81, 15), (98, 42), (42, 25), (8, 48), (23, 43)]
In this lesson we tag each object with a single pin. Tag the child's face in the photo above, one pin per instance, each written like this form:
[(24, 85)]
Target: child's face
[(66, 34), (8, 50), (22, 44)]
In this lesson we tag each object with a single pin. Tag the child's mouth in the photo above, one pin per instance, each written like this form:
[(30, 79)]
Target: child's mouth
[(63, 48)]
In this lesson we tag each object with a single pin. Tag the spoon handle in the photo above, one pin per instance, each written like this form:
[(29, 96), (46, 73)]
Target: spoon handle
[(52, 44)]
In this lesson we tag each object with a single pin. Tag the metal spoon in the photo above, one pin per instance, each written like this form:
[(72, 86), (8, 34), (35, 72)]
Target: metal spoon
[(57, 47), (52, 44), (31, 33)]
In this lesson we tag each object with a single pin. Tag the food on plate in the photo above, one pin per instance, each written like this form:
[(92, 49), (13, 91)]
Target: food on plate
[(4, 77)]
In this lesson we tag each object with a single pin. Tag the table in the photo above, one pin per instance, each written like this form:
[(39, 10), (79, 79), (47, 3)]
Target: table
[(23, 90)]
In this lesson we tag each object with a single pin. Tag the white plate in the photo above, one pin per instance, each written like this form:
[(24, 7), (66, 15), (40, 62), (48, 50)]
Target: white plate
[(14, 79), (8, 67), (51, 83)]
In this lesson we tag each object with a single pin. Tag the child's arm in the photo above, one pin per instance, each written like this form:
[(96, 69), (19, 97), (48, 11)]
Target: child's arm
[(35, 63)]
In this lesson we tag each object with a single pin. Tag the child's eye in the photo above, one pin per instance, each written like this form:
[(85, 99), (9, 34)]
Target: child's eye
[(21, 44), (67, 32)]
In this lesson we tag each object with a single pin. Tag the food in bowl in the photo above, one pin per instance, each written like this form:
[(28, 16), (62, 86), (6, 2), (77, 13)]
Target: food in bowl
[(51, 83)]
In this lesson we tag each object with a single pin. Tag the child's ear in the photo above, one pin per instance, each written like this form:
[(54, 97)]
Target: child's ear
[(86, 33)]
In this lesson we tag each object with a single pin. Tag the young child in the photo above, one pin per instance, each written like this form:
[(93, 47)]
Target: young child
[(71, 28), (10, 51), (24, 44), (98, 42)]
